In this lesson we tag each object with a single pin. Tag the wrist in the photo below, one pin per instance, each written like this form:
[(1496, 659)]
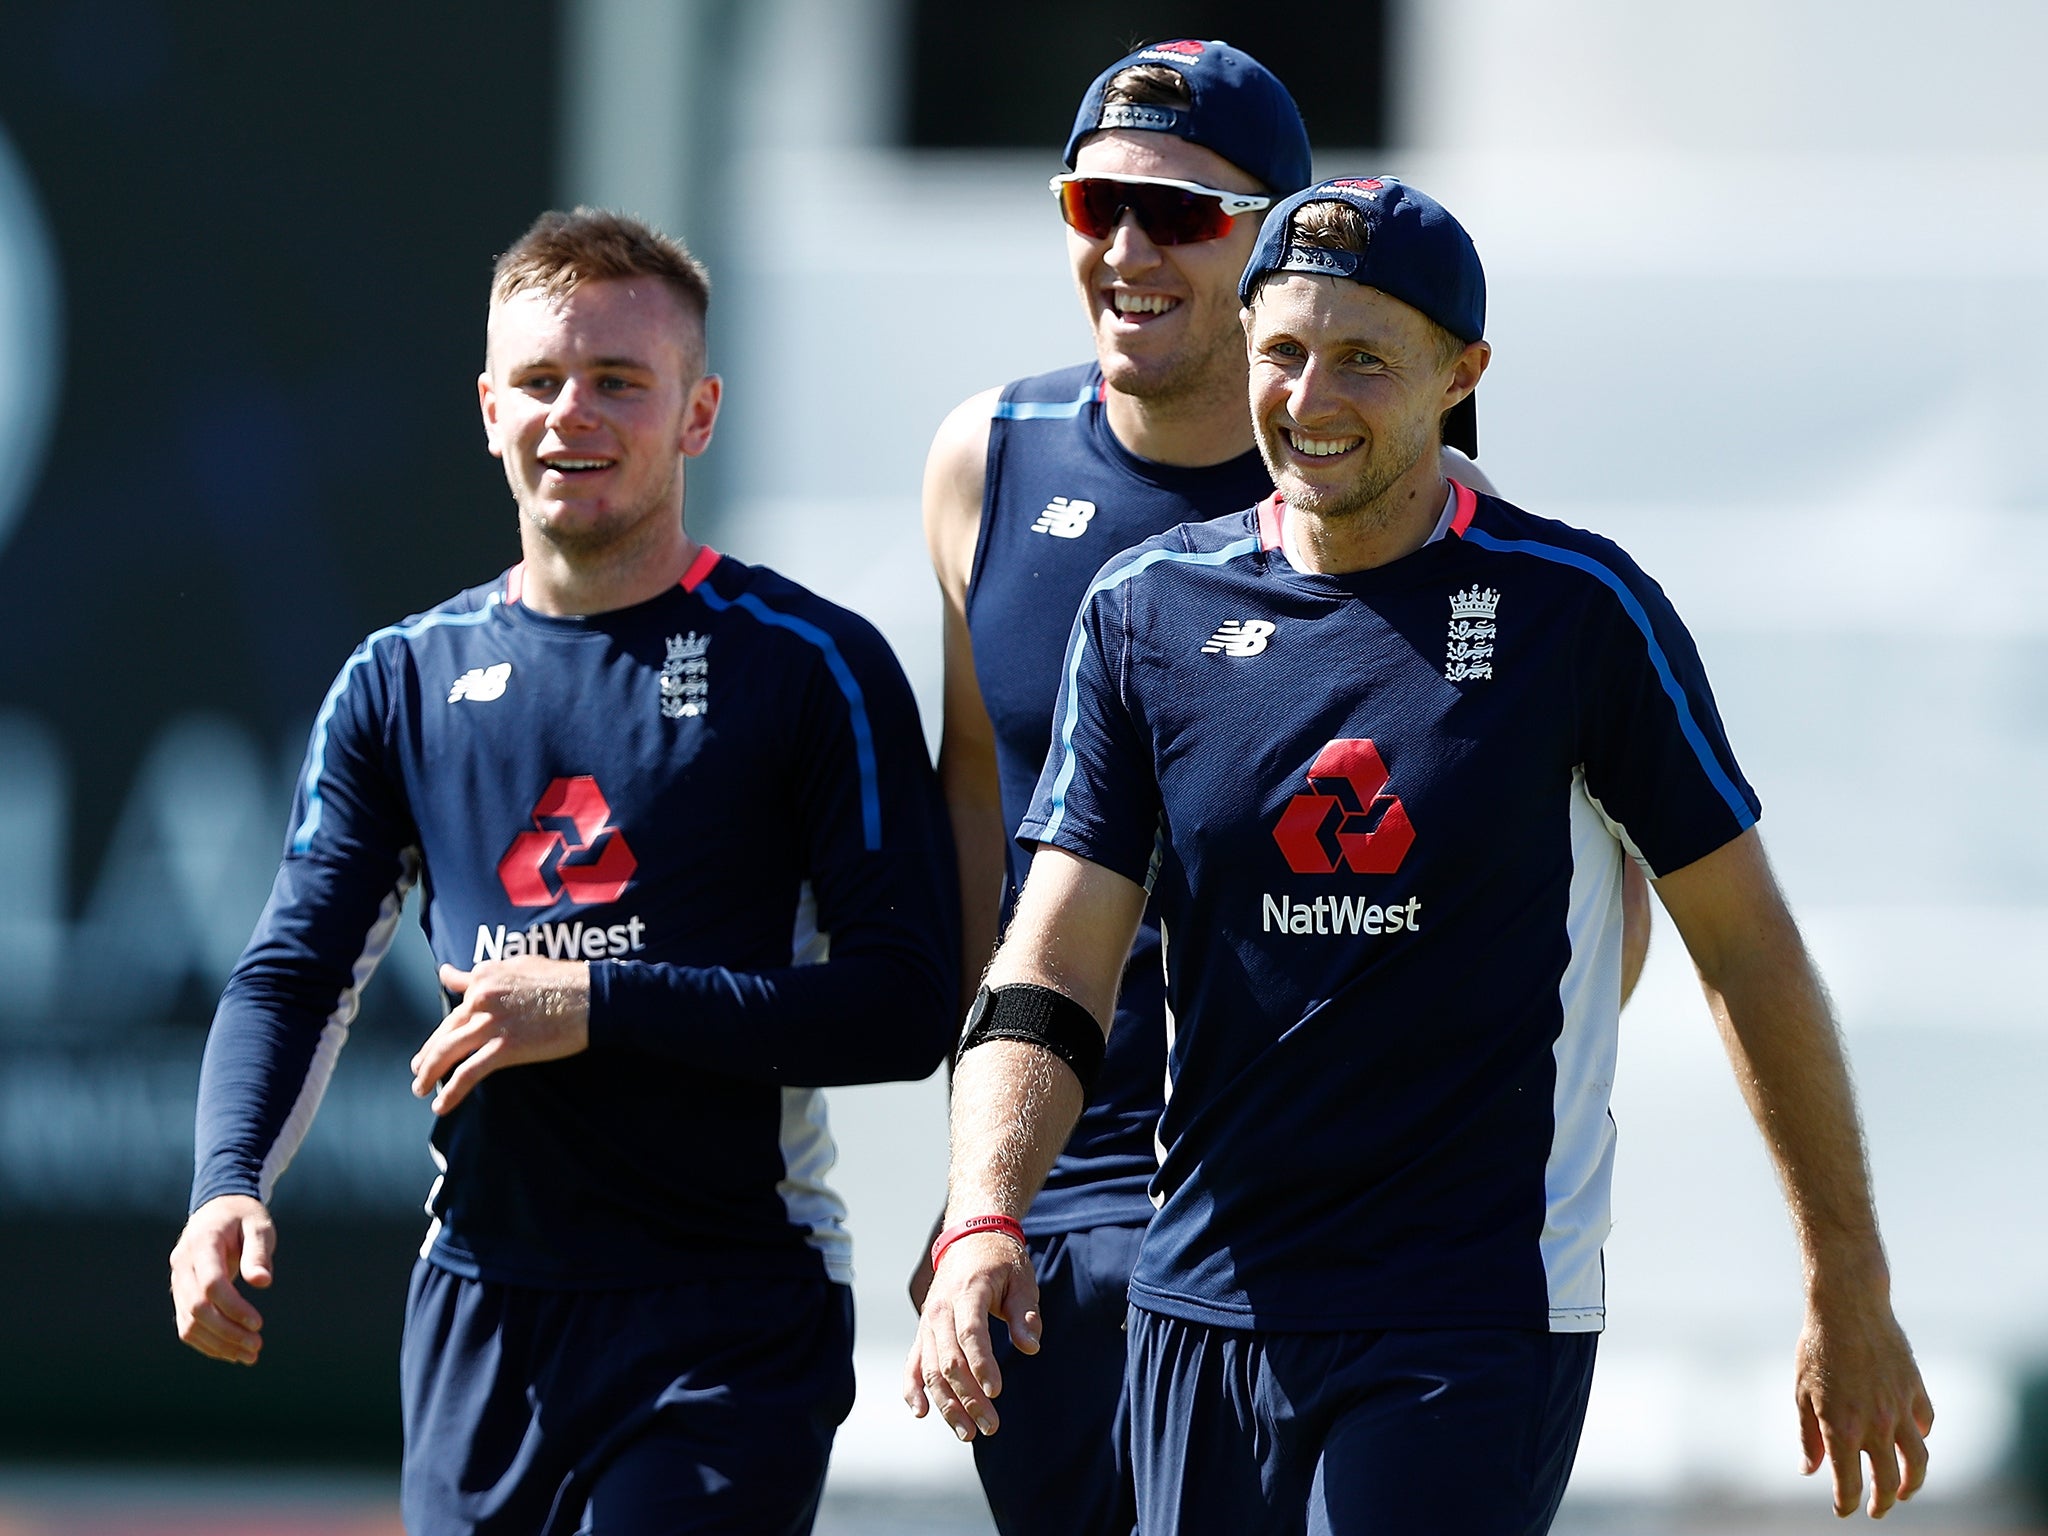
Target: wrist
[(576, 1001), (222, 1197), (598, 1014), (974, 1226), (1846, 1266)]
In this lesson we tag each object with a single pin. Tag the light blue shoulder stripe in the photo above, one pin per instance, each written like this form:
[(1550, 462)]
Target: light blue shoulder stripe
[(1043, 410), (1075, 647), (849, 685), (316, 755), (1697, 738)]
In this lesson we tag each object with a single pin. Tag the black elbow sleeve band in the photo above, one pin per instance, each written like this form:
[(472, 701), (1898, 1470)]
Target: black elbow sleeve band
[(1037, 1016)]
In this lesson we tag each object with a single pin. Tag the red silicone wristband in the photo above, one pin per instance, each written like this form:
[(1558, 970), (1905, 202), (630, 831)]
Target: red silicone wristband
[(1007, 1225)]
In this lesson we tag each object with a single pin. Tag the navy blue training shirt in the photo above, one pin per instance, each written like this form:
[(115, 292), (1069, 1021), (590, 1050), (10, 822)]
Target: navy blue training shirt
[(702, 795), (1387, 812), (1061, 494)]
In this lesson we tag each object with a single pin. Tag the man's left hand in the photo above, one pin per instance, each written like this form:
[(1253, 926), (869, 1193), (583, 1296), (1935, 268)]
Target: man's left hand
[(511, 1012), (1860, 1396)]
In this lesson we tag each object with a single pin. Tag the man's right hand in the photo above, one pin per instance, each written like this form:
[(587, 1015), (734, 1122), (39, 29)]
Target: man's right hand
[(229, 1235), (952, 1367)]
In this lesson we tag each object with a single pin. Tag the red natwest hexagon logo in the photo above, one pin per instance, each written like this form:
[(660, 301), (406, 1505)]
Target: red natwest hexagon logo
[(1186, 45), (573, 854), (1346, 821)]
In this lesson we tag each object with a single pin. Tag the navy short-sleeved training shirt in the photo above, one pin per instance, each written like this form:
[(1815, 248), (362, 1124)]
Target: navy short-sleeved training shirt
[(1383, 815), (1060, 494)]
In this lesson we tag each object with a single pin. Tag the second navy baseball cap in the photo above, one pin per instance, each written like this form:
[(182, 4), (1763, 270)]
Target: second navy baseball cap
[(1240, 110), (1414, 251)]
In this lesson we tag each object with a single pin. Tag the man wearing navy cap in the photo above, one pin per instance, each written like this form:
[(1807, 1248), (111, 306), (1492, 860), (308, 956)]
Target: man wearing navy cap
[(1385, 847), (1174, 151)]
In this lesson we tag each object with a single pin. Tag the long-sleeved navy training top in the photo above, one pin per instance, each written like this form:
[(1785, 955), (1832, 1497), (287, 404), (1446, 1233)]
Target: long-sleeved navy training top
[(703, 796)]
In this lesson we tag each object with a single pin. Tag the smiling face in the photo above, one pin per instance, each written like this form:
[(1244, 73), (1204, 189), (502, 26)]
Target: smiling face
[(1348, 387), (593, 399), (1164, 316)]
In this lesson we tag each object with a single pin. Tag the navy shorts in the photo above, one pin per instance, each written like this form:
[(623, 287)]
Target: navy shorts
[(702, 1407), (1421, 1433), (1059, 1465)]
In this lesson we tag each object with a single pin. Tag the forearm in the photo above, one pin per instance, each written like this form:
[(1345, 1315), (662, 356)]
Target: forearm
[(1014, 1105), (285, 1012), (281, 1023), (971, 781), (1781, 1037), (865, 1016), (265, 1069), (978, 839), (1859, 1393)]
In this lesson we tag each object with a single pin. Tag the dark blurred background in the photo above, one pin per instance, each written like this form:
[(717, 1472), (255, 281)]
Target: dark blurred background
[(270, 230)]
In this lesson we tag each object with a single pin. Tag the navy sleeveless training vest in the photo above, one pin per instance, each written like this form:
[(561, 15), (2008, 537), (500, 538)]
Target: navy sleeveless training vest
[(1062, 496)]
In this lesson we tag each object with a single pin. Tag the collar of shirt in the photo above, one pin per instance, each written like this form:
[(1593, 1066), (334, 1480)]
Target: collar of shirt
[(1443, 526)]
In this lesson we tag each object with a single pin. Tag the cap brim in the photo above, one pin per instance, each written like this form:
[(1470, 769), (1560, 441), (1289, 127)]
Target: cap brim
[(1461, 427)]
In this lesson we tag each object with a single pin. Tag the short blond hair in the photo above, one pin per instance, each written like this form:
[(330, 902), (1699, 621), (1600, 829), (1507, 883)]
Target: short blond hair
[(562, 250)]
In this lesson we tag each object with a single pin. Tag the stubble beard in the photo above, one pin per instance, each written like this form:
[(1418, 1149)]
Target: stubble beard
[(614, 538), (1195, 376), (1364, 504)]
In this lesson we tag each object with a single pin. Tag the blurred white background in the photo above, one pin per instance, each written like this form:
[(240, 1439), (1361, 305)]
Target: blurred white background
[(1768, 285)]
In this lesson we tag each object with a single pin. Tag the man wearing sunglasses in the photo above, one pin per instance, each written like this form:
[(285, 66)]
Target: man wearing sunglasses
[(1175, 151)]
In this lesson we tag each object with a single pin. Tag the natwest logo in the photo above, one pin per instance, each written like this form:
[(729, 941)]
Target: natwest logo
[(574, 854), (1346, 822)]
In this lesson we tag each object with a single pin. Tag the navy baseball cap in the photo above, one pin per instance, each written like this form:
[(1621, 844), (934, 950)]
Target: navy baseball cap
[(1241, 110), (1414, 251)]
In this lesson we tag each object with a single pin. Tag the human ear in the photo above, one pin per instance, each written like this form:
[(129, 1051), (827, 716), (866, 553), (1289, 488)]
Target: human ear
[(700, 414), (487, 402), (1466, 371)]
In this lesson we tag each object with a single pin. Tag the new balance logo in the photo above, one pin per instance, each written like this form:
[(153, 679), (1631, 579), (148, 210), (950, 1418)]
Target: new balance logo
[(1064, 519), (481, 684), (1239, 637)]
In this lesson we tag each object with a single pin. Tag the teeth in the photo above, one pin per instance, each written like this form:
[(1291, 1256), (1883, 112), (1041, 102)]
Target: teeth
[(1322, 447), (1142, 303), (578, 463)]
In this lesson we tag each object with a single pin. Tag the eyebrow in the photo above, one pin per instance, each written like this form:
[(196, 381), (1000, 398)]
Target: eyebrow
[(1358, 343), (639, 364)]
